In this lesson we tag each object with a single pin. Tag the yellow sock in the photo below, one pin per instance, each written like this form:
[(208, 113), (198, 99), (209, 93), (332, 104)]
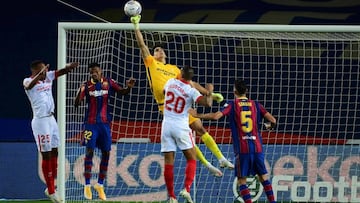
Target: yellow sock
[(200, 156), (211, 144)]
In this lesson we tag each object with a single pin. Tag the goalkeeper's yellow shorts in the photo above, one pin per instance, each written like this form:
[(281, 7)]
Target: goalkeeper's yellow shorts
[(191, 118)]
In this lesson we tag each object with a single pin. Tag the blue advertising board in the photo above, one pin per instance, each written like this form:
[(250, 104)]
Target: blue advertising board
[(300, 173)]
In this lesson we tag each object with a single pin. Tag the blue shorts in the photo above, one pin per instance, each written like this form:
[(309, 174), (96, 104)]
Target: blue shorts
[(250, 165), (97, 135)]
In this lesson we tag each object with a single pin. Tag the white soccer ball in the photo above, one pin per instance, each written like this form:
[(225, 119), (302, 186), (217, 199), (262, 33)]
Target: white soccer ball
[(132, 8)]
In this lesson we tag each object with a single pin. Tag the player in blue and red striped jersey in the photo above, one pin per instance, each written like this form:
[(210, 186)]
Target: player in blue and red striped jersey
[(245, 116), (97, 133)]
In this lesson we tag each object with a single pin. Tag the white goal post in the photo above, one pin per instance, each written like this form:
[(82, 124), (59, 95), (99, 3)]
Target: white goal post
[(308, 76)]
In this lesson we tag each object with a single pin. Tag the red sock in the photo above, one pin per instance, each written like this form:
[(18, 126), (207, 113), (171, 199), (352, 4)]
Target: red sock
[(169, 179), (54, 166), (190, 173), (48, 175)]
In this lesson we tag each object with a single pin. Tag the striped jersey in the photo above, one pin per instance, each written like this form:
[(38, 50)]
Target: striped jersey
[(97, 98), (245, 117)]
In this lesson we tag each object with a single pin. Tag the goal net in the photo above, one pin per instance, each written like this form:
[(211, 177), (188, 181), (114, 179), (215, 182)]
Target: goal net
[(308, 77)]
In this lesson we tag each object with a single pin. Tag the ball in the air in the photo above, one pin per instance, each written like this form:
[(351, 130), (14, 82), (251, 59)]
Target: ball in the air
[(132, 8)]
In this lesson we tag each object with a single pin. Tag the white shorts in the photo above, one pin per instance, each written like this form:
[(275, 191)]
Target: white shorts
[(46, 133), (173, 136)]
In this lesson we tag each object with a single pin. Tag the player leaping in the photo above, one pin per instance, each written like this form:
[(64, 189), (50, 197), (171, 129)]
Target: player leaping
[(158, 73)]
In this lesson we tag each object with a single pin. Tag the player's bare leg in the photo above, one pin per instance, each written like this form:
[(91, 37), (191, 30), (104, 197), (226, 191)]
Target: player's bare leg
[(210, 144)]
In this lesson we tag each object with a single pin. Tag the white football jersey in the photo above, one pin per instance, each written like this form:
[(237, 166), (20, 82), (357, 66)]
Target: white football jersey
[(40, 96), (179, 97)]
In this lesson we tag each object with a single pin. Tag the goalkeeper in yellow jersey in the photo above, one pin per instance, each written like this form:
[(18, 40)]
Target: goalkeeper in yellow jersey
[(158, 73)]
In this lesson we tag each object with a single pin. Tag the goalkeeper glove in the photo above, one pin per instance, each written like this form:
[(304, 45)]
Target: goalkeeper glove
[(217, 97), (136, 20)]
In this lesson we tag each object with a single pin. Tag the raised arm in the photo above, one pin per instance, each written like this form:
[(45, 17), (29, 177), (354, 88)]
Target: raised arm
[(272, 121), (79, 96), (200, 88), (139, 37), (208, 116), (37, 77), (68, 68), (216, 96), (130, 84), (207, 99)]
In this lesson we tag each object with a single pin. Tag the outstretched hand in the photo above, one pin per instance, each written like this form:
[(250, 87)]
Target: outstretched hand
[(72, 65), (135, 20), (131, 82)]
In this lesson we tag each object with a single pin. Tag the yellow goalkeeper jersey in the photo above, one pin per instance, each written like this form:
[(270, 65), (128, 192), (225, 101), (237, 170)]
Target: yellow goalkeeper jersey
[(158, 74)]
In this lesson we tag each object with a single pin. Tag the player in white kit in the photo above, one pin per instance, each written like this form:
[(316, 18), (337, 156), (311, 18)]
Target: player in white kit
[(175, 130), (38, 88)]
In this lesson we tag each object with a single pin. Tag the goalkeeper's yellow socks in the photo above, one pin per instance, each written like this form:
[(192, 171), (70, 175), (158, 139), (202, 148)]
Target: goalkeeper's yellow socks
[(211, 144), (200, 156)]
